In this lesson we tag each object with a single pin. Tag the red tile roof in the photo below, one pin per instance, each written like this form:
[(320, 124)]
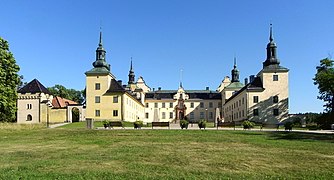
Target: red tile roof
[(59, 102)]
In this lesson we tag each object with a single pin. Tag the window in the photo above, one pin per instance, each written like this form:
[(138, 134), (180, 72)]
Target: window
[(210, 104), (97, 99), (243, 113), (156, 105), (171, 105), (211, 115), (192, 116), (255, 99), (276, 112), (115, 99), (255, 112), (163, 115), (201, 105), (239, 102), (171, 115), (97, 113), (147, 105), (115, 113), (29, 106), (192, 105), (275, 99), (163, 105), (275, 77), (201, 115), (243, 100), (146, 115), (97, 86), (29, 117), (219, 104)]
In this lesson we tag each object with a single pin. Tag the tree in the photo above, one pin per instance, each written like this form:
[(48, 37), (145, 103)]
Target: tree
[(21, 82), (71, 94), (324, 78), (9, 81)]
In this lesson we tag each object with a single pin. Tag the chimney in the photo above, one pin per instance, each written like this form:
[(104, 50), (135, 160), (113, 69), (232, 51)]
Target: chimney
[(207, 88), (120, 82), (251, 78), (159, 88), (246, 81)]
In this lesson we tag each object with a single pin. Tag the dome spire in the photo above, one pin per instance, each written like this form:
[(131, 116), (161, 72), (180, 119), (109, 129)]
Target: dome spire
[(100, 42), (272, 59), (235, 71), (271, 39), (131, 74), (100, 60)]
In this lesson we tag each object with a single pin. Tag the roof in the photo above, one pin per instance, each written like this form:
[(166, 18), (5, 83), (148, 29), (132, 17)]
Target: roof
[(99, 70), (274, 68), (59, 102), (255, 85), (115, 87), (234, 85), (193, 94), (34, 86)]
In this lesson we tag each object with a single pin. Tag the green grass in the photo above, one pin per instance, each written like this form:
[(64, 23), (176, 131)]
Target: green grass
[(96, 124), (77, 153)]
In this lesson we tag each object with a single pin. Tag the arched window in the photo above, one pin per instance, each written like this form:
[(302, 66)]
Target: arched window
[(29, 117)]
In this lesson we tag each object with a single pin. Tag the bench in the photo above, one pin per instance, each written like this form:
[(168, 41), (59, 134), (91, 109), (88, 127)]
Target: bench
[(271, 126), (160, 124), (113, 124), (226, 124)]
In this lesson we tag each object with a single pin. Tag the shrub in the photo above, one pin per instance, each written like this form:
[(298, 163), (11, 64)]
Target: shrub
[(248, 124), (184, 124), (138, 124), (288, 125), (105, 123), (202, 124)]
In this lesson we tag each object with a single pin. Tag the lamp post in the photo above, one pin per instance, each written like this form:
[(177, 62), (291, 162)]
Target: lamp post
[(206, 112)]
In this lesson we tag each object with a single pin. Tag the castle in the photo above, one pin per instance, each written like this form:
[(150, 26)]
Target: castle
[(263, 99)]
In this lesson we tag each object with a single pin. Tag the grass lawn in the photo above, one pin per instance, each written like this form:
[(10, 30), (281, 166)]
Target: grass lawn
[(77, 153)]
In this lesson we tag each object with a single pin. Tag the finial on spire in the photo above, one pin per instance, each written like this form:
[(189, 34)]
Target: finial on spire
[(235, 62), (271, 33), (100, 41), (131, 64), (181, 78)]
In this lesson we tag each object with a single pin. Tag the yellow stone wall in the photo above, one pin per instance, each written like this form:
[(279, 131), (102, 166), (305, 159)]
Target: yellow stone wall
[(166, 109), (236, 110), (133, 110), (58, 115), (91, 106)]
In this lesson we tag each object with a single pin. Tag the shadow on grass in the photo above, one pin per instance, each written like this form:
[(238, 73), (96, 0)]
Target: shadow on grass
[(301, 136)]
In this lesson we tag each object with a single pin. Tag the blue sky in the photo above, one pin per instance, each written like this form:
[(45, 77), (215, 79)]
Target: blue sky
[(55, 41)]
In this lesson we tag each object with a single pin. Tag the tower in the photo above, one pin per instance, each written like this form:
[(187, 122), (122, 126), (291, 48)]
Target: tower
[(273, 101), (131, 74), (98, 81)]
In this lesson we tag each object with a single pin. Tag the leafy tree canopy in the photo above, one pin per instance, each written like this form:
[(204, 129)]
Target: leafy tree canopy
[(324, 78), (9, 81), (71, 94)]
